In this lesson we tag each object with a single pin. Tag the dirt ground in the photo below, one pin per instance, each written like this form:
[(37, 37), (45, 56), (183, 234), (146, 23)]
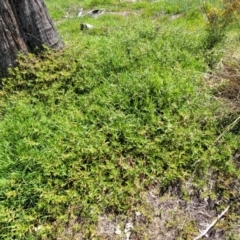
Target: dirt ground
[(168, 217)]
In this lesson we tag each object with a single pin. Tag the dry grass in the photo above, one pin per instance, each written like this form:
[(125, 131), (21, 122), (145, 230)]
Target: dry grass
[(227, 79)]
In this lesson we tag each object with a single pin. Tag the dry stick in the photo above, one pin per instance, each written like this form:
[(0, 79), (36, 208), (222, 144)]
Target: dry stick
[(211, 225), (227, 129), (231, 125)]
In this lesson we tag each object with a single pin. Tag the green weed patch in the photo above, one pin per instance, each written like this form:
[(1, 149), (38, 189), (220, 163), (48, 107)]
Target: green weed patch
[(87, 130)]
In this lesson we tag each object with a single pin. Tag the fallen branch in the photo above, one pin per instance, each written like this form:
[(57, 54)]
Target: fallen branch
[(211, 225)]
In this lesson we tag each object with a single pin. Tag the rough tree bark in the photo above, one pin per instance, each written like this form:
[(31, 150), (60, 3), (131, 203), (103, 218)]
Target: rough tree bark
[(25, 26)]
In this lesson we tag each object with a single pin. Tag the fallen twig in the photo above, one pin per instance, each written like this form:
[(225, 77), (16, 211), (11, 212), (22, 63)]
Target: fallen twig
[(227, 129), (211, 225)]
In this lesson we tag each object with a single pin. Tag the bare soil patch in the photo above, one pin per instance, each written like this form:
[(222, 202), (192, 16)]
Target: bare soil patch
[(165, 215)]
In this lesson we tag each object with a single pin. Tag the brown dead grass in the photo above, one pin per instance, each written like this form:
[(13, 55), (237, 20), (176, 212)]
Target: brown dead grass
[(226, 79)]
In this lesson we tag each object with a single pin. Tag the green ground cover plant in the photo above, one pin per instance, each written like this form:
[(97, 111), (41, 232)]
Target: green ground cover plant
[(219, 17), (123, 106)]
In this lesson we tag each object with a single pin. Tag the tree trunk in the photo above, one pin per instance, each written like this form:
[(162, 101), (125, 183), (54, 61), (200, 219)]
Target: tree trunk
[(25, 26)]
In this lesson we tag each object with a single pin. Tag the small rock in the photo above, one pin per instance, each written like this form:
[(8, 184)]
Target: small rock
[(80, 14), (85, 26), (96, 12), (127, 230), (118, 230), (137, 214)]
